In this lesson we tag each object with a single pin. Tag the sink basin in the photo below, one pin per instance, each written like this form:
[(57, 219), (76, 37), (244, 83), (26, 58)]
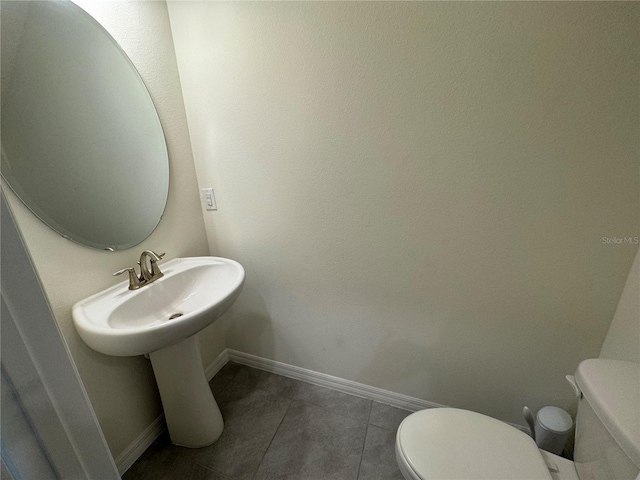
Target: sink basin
[(161, 320), (192, 294)]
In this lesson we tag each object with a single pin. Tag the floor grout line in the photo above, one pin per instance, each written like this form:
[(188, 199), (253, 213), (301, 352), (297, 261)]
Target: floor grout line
[(306, 402), (274, 436), (364, 442), (289, 394)]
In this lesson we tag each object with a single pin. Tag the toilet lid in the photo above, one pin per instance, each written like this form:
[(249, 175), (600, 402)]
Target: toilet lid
[(448, 443)]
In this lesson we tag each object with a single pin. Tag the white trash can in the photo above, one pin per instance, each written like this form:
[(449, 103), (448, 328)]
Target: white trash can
[(553, 426)]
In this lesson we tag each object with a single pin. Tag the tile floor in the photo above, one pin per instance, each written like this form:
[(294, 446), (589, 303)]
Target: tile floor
[(277, 428)]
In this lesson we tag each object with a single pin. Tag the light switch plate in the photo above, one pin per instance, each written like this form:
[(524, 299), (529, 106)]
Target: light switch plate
[(209, 199)]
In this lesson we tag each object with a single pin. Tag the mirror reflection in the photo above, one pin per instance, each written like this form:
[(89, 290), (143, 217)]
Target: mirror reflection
[(82, 144)]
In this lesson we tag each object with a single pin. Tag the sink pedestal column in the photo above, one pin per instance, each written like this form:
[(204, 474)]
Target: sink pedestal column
[(192, 414)]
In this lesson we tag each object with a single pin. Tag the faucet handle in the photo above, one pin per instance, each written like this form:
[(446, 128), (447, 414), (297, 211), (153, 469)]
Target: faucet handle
[(134, 281), (124, 270)]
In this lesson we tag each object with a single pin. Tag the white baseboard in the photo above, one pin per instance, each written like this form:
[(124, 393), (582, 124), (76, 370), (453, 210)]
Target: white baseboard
[(140, 444), (341, 385), (334, 383), (146, 438), (215, 366)]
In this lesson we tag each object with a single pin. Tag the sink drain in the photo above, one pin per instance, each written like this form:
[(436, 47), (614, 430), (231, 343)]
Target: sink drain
[(175, 315)]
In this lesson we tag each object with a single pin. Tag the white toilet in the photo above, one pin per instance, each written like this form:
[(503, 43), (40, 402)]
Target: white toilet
[(448, 443)]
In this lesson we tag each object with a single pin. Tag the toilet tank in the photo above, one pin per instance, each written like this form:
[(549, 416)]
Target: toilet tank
[(607, 445)]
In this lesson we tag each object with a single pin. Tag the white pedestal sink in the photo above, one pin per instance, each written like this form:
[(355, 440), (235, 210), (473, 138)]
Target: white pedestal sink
[(161, 319), (192, 414)]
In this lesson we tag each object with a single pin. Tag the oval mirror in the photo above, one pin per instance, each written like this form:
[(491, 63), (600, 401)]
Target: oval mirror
[(82, 144)]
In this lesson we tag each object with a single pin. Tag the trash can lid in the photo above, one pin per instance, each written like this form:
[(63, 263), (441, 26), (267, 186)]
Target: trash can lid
[(555, 419)]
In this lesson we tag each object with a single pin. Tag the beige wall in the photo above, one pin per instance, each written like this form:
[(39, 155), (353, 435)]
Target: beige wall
[(623, 338), (123, 390), (419, 190)]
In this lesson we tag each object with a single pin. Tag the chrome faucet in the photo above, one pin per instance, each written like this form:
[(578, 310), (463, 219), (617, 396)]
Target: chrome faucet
[(147, 275)]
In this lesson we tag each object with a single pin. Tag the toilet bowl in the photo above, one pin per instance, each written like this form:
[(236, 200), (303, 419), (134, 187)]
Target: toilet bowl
[(449, 443), (458, 444)]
